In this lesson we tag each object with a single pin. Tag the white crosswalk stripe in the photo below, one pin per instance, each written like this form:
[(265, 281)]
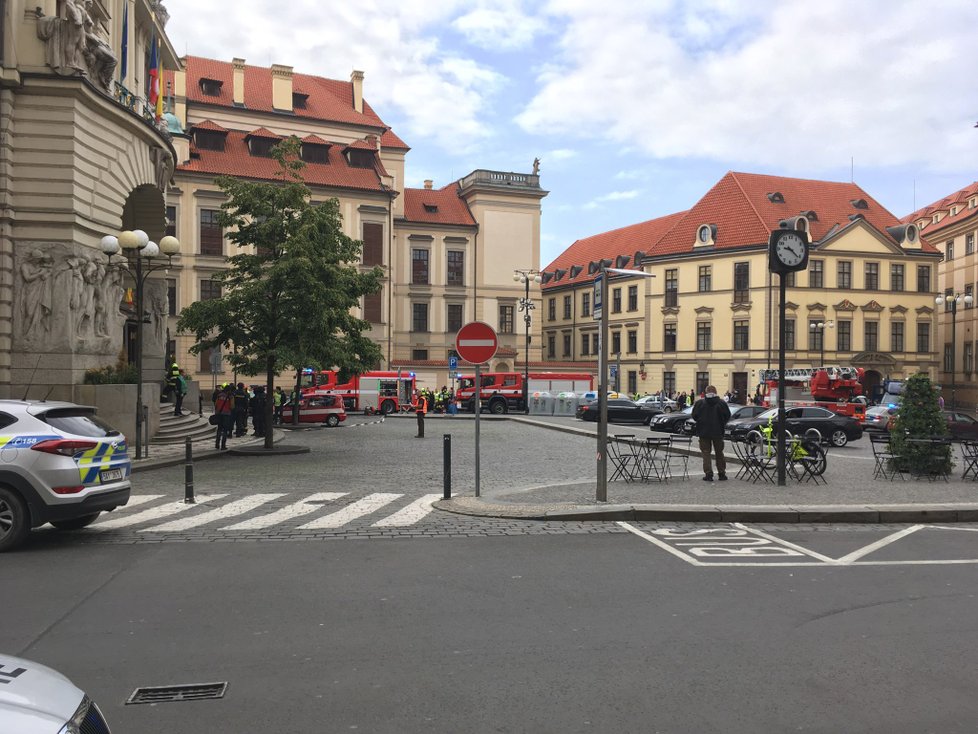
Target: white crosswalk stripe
[(238, 507), (370, 503), (140, 499), (410, 514), (303, 507), (153, 513)]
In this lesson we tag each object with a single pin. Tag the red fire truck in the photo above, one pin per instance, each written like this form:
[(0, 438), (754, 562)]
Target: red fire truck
[(377, 391), (838, 389), (503, 391)]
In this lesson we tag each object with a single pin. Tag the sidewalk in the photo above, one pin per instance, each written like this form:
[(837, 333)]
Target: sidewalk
[(162, 455)]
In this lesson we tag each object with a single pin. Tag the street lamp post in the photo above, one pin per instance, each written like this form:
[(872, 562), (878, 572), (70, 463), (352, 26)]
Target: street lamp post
[(952, 302), (526, 305), (137, 247), (819, 328)]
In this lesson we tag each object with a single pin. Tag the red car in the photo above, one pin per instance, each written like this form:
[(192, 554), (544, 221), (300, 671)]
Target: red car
[(327, 409), (960, 425)]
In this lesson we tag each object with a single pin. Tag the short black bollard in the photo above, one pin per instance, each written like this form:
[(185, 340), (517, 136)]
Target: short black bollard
[(188, 483), (200, 403), (447, 455)]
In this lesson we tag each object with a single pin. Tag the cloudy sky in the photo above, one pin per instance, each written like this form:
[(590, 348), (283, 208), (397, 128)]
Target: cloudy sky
[(636, 107)]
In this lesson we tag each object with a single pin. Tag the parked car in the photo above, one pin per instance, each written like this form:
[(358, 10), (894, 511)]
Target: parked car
[(832, 427), (877, 417), (960, 425), (663, 404), (736, 411), (671, 422), (591, 396), (35, 699), (620, 410), (327, 409), (61, 465)]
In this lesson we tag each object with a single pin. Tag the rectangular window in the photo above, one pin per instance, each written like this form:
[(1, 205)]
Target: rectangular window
[(210, 290), (923, 278), (923, 337), (669, 337), (455, 318), (171, 221), (632, 382), (506, 323), (969, 290), (969, 244), (702, 382), (373, 243), (456, 268), (815, 335), (585, 304), (844, 336), (632, 342), (552, 309), (585, 344), (789, 279), (741, 283), (672, 287), (567, 345), (595, 344), (211, 234), (949, 250), (567, 307), (419, 267), (896, 277), (896, 336), (705, 279), (969, 358), (871, 336), (205, 361), (616, 300), (816, 273), (171, 296), (616, 343), (948, 358), (419, 355), (633, 298), (845, 274), (551, 346), (419, 317), (948, 299), (789, 334), (872, 276), (741, 336), (669, 383), (704, 336), (372, 311)]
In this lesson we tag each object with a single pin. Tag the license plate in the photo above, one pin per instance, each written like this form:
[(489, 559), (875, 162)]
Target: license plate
[(110, 475)]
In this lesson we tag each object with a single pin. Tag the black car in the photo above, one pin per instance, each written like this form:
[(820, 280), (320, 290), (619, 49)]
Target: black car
[(671, 422), (620, 410), (832, 427), (736, 411)]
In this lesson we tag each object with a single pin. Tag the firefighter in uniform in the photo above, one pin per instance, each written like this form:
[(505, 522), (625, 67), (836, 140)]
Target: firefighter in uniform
[(173, 379), (421, 408)]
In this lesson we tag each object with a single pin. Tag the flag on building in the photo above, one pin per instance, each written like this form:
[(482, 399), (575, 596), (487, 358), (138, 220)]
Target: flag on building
[(155, 94), (124, 63)]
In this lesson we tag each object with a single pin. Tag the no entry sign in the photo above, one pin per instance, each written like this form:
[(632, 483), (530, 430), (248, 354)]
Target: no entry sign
[(476, 342)]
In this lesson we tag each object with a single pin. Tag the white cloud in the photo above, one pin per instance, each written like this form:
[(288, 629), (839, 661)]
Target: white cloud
[(612, 196), (499, 25), (561, 154), (793, 84)]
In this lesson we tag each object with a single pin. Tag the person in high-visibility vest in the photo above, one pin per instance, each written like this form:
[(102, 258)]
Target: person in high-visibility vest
[(421, 408)]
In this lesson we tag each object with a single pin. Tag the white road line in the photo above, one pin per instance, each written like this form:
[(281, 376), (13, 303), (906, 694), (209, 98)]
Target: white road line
[(665, 546), (297, 509), (786, 544), (946, 527), (915, 563), (368, 504), (153, 513), (239, 507), (409, 515), (882, 542)]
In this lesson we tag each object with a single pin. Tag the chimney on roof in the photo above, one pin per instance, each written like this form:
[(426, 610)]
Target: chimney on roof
[(281, 88), (238, 87), (428, 183), (356, 79)]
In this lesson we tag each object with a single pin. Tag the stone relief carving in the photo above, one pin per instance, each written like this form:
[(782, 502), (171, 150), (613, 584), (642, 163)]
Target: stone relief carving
[(73, 46), (162, 167), (36, 306)]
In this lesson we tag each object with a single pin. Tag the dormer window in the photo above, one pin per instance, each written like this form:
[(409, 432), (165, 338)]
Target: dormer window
[(211, 87), (776, 197), (261, 147), (973, 202), (431, 208), (313, 153), (859, 204), (936, 218), (360, 158), (209, 140), (954, 210), (299, 100)]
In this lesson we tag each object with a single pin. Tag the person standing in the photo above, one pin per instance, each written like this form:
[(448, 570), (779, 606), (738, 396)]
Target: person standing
[(420, 409), (711, 415), (278, 400), (258, 411), (224, 410), (240, 411), (179, 392)]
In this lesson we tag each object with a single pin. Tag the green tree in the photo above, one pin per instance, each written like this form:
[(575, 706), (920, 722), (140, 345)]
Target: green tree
[(919, 416), (287, 294)]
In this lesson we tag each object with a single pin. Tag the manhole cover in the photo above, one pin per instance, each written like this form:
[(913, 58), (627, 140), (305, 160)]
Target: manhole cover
[(183, 692)]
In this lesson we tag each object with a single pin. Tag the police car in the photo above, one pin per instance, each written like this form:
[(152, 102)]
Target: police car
[(35, 699), (59, 464)]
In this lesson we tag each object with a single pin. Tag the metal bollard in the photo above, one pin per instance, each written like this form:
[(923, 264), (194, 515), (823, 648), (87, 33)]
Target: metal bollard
[(447, 461), (188, 474), (200, 404)]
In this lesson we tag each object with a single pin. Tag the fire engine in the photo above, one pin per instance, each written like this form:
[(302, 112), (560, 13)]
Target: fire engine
[(377, 391), (838, 389), (503, 391)]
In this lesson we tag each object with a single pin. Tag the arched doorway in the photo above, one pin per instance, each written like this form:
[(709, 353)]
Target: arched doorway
[(871, 383), (502, 367)]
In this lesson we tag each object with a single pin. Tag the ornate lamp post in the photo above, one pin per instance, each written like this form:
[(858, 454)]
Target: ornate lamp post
[(526, 305), (819, 329), (952, 302), (140, 252)]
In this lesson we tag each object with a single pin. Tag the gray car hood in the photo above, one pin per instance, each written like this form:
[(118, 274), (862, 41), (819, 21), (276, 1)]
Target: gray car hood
[(38, 699)]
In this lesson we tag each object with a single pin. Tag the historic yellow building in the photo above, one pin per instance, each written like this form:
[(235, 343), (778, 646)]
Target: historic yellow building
[(448, 252), (709, 313), (951, 224)]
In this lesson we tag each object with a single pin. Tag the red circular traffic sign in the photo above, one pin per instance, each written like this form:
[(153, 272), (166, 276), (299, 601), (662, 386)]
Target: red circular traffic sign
[(476, 342)]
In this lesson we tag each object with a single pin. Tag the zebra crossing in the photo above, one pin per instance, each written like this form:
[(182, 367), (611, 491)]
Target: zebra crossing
[(154, 514)]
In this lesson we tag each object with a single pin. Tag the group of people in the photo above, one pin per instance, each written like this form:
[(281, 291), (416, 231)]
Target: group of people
[(232, 406)]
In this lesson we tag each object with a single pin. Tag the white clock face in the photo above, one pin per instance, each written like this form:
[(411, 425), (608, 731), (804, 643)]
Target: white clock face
[(790, 250)]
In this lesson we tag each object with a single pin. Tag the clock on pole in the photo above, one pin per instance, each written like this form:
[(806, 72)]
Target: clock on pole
[(787, 251)]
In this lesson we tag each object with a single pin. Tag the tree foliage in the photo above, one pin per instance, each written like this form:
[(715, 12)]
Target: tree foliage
[(288, 292), (919, 416)]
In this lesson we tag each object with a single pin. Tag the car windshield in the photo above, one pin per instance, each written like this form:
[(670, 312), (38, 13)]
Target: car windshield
[(78, 422), (771, 413)]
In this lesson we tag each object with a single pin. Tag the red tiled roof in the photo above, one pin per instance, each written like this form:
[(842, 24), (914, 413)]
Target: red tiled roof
[(958, 198), (315, 140), (208, 125), (608, 245), (362, 145), (236, 160), (263, 132), (744, 215), (390, 140), (328, 99), (448, 207)]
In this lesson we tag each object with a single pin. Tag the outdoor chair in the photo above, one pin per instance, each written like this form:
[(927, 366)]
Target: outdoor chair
[(679, 451), (969, 459), (886, 460), (655, 459), (807, 460), (625, 457), (930, 463)]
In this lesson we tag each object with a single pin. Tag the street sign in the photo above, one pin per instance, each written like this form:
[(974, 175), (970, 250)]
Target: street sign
[(452, 363), (476, 342), (596, 298)]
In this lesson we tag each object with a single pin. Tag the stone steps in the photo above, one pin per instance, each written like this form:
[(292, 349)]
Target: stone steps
[(176, 429)]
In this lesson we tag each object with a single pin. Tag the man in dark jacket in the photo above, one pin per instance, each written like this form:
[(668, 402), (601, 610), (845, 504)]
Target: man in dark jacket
[(240, 411), (711, 415)]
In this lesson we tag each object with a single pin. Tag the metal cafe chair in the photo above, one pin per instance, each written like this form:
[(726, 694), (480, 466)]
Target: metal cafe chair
[(625, 457), (679, 451), (969, 459), (886, 460), (655, 459)]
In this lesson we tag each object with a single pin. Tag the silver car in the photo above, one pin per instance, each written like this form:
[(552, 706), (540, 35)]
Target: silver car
[(666, 405), (59, 464)]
